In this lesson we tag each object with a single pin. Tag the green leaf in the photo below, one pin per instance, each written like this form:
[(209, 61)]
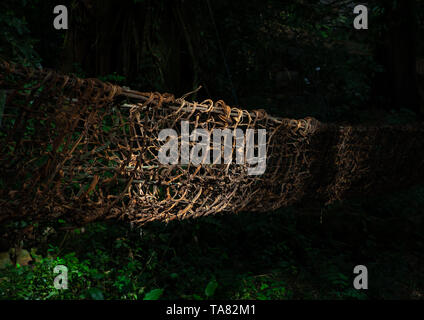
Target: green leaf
[(96, 294), (153, 294), (210, 288)]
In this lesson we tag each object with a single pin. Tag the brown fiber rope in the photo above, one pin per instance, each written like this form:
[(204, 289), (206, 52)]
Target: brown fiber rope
[(84, 150)]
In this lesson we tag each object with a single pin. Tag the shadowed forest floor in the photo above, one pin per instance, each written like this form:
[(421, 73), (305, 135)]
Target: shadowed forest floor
[(300, 252)]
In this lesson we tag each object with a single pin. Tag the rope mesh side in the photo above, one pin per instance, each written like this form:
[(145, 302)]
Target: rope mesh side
[(86, 150)]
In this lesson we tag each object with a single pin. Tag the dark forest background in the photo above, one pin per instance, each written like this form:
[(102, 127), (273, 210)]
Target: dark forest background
[(292, 58)]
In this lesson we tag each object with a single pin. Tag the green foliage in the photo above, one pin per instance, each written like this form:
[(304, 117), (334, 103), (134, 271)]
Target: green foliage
[(403, 116), (265, 287), (210, 288), (16, 43), (281, 255), (153, 294), (95, 294), (293, 253), (113, 78)]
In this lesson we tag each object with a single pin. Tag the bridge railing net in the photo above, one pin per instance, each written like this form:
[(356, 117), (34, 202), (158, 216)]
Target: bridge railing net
[(86, 150)]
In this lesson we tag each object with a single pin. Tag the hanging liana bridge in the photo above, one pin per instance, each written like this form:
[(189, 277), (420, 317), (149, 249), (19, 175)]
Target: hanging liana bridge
[(85, 150)]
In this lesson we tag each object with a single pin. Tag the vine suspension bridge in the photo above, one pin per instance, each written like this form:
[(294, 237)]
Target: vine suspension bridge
[(85, 150)]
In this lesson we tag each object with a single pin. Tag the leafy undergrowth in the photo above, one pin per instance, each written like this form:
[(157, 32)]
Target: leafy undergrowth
[(301, 252)]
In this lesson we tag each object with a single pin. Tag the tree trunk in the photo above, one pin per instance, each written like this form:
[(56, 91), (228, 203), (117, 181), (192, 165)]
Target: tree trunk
[(402, 55)]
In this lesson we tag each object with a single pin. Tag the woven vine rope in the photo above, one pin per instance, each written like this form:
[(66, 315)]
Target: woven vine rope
[(85, 150)]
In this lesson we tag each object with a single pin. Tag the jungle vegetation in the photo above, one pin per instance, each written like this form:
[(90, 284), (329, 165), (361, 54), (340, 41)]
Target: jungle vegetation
[(292, 58)]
